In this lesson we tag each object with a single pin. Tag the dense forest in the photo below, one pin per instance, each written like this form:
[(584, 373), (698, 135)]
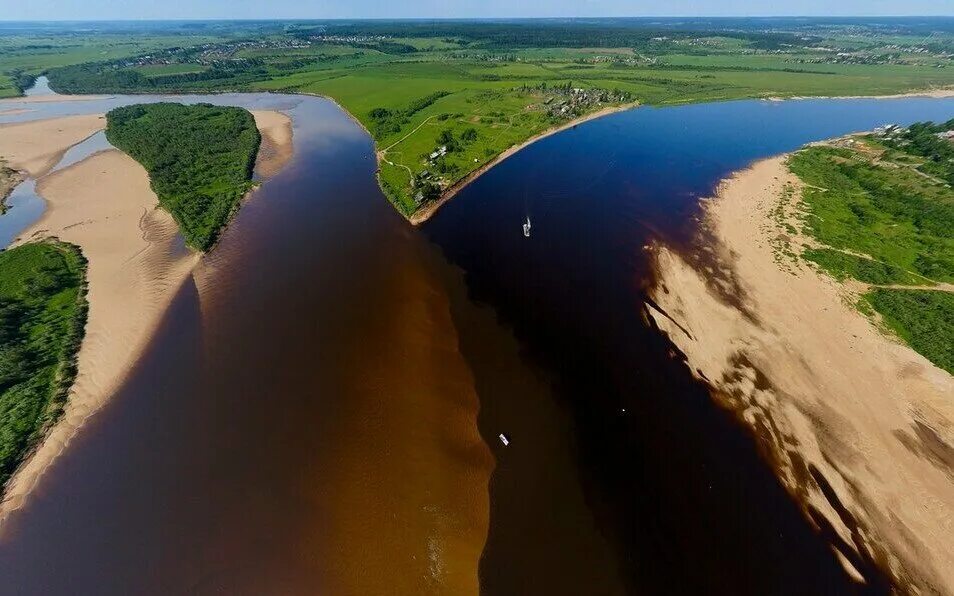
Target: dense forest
[(42, 318), (99, 77), (199, 158), (548, 33)]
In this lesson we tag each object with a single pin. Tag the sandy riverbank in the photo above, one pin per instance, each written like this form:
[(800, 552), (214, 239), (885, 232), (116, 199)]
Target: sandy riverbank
[(933, 93), (430, 209), (52, 97), (860, 427), (137, 263)]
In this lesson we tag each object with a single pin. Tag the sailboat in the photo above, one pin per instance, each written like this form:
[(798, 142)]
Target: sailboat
[(526, 228)]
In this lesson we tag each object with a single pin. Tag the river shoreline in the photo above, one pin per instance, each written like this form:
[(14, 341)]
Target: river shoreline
[(136, 263), (932, 93), (855, 422), (422, 215)]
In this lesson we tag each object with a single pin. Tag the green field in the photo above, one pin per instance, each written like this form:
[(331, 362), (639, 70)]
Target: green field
[(496, 80), (42, 316), (882, 208), (199, 158)]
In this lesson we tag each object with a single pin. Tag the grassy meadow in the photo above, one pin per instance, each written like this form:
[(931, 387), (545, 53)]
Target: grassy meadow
[(881, 208)]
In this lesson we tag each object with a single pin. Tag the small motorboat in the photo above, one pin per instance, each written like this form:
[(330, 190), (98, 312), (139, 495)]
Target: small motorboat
[(504, 439), (526, 228)]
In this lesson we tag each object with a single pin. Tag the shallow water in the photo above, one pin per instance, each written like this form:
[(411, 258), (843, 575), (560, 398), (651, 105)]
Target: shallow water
[(80, 151), (24, 207), (306, 418)]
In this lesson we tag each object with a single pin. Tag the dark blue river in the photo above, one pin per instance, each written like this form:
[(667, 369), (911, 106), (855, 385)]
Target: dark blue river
[(672, 483), (306, 420)]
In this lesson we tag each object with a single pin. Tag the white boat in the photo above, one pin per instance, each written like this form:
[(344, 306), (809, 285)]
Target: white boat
[(504, 439), (526, 228)]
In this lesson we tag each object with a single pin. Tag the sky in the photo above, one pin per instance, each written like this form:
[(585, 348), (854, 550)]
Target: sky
[(321, 9)]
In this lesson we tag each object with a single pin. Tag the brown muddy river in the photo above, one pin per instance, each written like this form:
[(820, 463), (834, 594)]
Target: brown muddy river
[(319, 411)]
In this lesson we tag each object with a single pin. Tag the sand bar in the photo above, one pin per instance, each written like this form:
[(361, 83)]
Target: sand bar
[(35, 147), (837, 405), (276, 148)]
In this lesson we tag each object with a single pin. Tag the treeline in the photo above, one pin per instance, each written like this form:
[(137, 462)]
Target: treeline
[(110, 78), (387, 47), (199, 157), (21, 80), (386, 121), (609, 33), (42, 319), (301, 63)]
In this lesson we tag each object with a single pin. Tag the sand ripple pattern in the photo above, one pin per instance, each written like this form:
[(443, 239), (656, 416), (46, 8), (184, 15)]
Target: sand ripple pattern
[(104, 205), (859, 426)]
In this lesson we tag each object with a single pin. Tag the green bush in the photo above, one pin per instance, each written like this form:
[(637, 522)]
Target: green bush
[(922, 318)]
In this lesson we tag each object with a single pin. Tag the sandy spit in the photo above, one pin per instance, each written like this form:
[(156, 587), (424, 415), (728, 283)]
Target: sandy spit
[(429, 210), (276, 148), (137, 263), (35, 147), (859, 426)]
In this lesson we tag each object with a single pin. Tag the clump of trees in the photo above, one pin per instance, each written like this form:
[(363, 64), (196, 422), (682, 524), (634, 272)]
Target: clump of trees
[(200, 160), (386, 121), (21, 80)]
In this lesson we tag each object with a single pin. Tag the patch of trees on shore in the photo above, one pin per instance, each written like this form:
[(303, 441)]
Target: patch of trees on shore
[(42, 319)]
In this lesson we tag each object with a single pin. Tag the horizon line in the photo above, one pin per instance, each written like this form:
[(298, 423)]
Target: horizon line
[(507, 18)]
